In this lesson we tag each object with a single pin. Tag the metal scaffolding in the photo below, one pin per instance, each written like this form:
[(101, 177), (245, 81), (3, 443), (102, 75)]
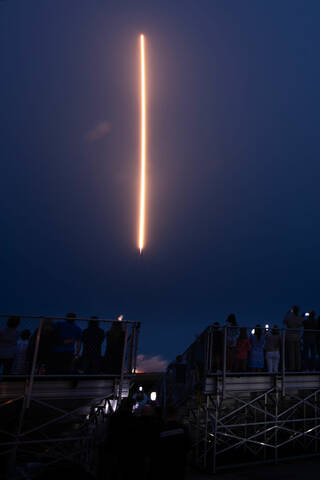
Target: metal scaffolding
[(255, 419), (241, 418), (50, 418)]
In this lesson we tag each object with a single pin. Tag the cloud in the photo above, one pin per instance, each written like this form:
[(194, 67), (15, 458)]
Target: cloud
[(147, 363), (98, 132)]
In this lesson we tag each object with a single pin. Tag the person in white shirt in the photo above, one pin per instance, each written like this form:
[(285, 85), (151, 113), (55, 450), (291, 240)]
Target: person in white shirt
[(272, 348)]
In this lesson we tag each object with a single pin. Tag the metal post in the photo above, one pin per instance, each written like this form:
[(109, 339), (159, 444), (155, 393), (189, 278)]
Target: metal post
[(27, 397), (265, 425), (224, 356), (164, 392), (215, 433), (137, 332), (206, 419), (123, 365), (34, 364), (208, 353), (283, 360), (131, 349), (276, 429)]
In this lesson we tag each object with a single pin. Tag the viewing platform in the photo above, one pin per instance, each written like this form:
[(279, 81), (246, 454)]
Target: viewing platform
[(53, 409), (239, 418)]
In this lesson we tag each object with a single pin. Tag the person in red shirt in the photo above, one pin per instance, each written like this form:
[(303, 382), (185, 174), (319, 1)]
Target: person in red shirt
[(242, 350)]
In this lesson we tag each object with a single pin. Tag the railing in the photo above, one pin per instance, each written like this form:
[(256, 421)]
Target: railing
[(219, 351), (69, 347)]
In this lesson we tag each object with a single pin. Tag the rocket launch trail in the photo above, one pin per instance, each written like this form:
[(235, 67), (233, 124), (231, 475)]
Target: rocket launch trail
[(143, 140)]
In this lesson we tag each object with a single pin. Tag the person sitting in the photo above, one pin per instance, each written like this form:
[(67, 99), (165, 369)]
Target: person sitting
[(256, 360), (272, 348), (92, 339), (69, 336), (242, 350), (20, 364), (8, 344)]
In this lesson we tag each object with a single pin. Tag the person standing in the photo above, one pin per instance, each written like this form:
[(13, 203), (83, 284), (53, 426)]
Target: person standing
[(8, 344), (272, 349), (48, 341), (92, 339), (114, 351), (20, 364), (256, 360), (309, 341), (242, 350), (293, 323), (232, 338), (177, 374), (69, 337)]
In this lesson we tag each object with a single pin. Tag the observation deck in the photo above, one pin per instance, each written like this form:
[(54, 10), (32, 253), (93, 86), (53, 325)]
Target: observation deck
[(48, 417), (239, 418)]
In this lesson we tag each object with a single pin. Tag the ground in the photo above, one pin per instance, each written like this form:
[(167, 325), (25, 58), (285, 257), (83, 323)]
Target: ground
[(291, 470)]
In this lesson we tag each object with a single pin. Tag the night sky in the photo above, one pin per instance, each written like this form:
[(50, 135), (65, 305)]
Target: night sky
[(233, 152)]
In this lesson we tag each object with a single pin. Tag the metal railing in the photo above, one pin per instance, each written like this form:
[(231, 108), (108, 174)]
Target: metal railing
[(36, 347), (220, 351)]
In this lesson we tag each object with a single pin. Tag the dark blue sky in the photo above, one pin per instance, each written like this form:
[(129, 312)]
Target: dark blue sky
[(233, 217)]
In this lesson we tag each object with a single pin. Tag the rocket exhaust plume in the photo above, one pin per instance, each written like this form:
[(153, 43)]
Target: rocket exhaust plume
[(143, 138)]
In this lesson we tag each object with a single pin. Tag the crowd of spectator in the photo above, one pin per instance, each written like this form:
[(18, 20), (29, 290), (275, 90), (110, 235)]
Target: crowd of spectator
[(261, 348), (294, 347), (63, 347)]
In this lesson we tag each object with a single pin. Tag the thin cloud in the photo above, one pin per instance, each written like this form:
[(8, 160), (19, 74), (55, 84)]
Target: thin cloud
[(98, 132), (155, 363)]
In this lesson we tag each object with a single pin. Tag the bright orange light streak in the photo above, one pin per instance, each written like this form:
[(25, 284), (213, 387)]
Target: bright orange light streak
[(143, 145)]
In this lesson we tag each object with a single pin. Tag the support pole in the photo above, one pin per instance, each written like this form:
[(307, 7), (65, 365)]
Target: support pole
[(283, 361), (34, 364), (137, 332), (224, 357), (123, 366)]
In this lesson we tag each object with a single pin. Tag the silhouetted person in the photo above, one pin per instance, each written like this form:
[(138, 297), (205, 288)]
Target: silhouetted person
[(310, 341), (177, 379), (115, 345), (69, 336), (92, 339), (232, 338), (123, 450), (48, 340), (20, 364), (293, 323), (272, 348), (256, 360), (171, 452), (8, 344), (217, 347), (242, 350), (140, 399)]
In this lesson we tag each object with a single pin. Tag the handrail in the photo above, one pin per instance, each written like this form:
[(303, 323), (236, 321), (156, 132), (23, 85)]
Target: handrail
[(55, 317), (128, 354), (201, 355)]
